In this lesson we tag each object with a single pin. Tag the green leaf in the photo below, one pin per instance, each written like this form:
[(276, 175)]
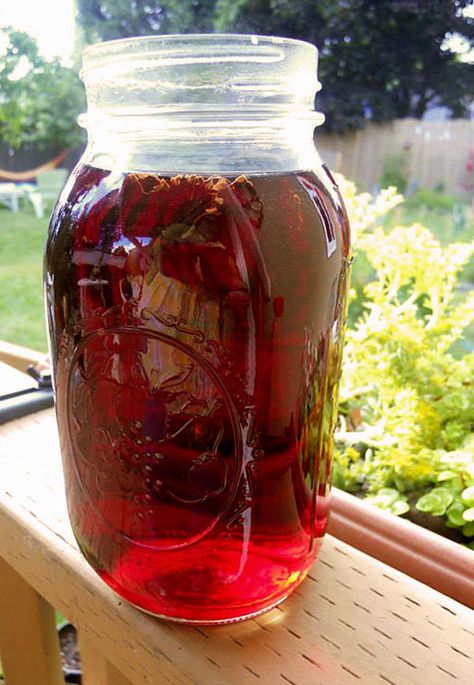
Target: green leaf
[(455, 514), (176, 231), (155, 247), (388, 495), (468, 495), (337, 476), (469, 515), (435, 502), (470, 470), (389, 499), (400, 484), (384, 498), (186, 233), (446, 475), (454, 486), (427, 503), (468, 529), (399, 507)]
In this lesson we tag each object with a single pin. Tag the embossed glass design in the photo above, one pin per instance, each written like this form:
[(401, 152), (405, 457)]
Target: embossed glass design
[(196, 277)]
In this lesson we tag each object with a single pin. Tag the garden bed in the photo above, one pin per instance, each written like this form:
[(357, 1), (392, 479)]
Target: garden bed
[(404, 439)]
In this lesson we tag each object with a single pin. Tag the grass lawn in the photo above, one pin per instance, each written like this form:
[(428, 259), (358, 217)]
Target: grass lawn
[(22, 238)]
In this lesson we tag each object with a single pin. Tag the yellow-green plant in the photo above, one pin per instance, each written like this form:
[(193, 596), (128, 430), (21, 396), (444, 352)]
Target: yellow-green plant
[(407, 402)]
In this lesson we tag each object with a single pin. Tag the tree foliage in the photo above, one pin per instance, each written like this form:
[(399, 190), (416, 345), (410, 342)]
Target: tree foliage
[(384, 59), (125, 18), (40, 99)]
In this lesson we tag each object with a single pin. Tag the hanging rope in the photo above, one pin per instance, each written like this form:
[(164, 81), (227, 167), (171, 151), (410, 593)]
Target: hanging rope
[(32, 173)]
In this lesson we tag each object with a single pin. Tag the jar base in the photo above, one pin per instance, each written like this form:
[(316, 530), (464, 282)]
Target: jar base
[(212, 622), (173, 593)]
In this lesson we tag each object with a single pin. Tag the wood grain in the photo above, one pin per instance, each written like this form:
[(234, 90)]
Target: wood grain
[(12, 380), (29, 644), (97, 670)]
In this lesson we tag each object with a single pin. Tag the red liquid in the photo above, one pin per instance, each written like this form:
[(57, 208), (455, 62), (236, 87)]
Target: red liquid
[(196, 326)]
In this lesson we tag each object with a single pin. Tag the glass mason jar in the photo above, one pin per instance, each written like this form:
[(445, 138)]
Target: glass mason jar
[(196, 277)]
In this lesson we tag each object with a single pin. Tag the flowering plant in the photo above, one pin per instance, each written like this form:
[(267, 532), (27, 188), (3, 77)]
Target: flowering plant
[(407, 401), (469, 169)]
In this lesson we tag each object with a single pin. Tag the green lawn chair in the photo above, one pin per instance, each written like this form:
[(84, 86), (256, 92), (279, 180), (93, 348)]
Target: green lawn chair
[(48, 186), (50, 183)]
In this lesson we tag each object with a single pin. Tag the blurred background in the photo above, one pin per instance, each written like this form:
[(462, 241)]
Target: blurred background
[(398, 85)]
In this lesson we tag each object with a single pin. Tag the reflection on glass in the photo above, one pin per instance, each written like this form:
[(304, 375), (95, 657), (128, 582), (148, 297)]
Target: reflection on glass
[(196, 329)]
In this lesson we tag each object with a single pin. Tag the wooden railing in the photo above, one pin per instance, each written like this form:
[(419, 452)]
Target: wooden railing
[(353, 619)]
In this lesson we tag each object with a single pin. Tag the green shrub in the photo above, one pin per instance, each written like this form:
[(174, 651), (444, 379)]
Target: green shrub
[(407, 404), (432, 199), (395, 171)]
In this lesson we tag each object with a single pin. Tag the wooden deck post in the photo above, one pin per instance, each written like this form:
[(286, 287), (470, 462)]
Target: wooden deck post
[(29, 645), (96, 669)]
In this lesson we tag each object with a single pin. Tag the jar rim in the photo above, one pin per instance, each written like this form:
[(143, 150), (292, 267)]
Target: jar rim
[(120, 46), (200, 71), (210, 48)]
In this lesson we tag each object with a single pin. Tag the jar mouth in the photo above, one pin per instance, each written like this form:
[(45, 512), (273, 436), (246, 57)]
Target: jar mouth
[(172, 45), (196, 70)]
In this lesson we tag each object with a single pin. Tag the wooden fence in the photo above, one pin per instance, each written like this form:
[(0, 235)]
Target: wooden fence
[(436, 152)]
